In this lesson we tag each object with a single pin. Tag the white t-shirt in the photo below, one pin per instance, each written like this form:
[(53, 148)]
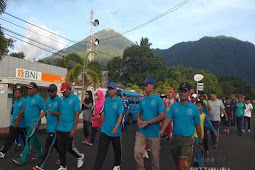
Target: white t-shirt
[(248, 109)]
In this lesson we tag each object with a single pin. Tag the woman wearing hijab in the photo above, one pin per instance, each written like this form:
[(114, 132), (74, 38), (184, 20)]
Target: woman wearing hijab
[(87, 114), (97, 120)]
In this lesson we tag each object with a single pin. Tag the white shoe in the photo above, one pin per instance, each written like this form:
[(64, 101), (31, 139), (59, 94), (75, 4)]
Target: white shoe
[(80, 161), (2, 155), (243, 131), (145, 154), (116, 168), (62, 168), (249, 130)]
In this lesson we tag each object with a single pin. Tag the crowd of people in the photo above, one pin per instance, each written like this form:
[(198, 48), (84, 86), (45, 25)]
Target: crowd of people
[(185, 119)]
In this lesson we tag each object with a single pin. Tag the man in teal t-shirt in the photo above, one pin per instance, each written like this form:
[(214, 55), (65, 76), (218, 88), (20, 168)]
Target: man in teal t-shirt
[(31, 111), (15, 131), (152, 111), (111, 130), (51, 111), (239, 108)]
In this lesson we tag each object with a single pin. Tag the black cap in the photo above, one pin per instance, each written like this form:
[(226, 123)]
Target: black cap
[(32, 85), (185, 86), (52, 87)]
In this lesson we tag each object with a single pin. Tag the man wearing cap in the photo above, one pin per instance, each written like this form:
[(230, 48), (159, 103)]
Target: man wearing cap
[(111, 130), (69, 117), (186, 118), (52, 112), (31, 111), (15, 131), (152, 112)]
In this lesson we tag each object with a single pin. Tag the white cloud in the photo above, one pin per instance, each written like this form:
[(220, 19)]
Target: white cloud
[(32, 52)]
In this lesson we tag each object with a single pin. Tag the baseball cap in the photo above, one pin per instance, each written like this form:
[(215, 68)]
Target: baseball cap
[(64, 86), (185, 86), (112, 85), (149, 80), (32, 85), (194, 95), (52, 87), (170, 92)]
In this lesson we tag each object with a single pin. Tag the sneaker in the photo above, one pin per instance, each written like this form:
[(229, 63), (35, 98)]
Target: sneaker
[(243, 131), (84, 141), (62, 168), (88, 143), (215, 146), (116, 168), (249, 130), (2, 155), (16, 162), (80, 161), (37, 168), (145, 154), (58, 162)]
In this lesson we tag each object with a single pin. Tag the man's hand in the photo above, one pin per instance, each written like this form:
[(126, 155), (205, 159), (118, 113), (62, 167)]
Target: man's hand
[(49, 111), (72, 133), (16, 122), (217, 135), (161, 132), (36, 124), (115, 130), (142, 124), (200, 147)]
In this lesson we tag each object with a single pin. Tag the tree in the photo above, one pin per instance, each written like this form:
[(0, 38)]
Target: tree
[(18, 55), (115, 69), (5, 43)]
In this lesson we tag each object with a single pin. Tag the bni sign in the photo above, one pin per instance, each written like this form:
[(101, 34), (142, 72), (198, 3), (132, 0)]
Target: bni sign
[(28, 74)]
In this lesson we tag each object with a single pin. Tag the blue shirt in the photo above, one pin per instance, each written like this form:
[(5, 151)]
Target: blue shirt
[(126, 106), (150, 107), (54, 106), (33, 108), (69, 106), (185, 118), (112, 109), (17, 106)]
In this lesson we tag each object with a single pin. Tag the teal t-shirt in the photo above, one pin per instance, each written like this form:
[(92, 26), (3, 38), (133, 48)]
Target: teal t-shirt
[(54, 106), (112, 109), (17, 106), (33, 108), (69, 106), (239, 109), (150, 107), (185, 118)]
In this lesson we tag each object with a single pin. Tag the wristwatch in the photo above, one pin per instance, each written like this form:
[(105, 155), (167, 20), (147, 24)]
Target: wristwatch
[(117, 125)]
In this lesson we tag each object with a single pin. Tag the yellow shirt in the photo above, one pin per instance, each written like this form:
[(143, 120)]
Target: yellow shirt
[(202, 119)]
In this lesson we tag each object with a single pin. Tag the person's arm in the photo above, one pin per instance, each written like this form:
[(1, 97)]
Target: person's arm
[(197, 124), (222, 108), (168, 117), (157, 119), (39, 118), (88, 106), (210, 125), (199, 133), (77, 109), (127, 109), (19, 117), (209, 106), (115, 129)]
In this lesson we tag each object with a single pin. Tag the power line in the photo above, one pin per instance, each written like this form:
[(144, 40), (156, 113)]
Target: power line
[(38, 27), (32, 44), (150, 21), (33, 31), (29, 39)]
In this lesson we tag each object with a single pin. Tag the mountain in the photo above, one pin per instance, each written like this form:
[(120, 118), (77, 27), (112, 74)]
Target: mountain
[(220, 55), (111, 44)]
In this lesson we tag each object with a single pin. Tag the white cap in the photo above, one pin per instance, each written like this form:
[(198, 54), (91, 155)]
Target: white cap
[(194, 95)]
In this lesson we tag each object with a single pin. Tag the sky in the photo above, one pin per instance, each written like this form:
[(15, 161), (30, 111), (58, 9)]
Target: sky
[(71, 19)]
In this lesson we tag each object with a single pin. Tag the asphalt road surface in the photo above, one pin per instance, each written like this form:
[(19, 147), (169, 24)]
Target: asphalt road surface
[(234, 152)]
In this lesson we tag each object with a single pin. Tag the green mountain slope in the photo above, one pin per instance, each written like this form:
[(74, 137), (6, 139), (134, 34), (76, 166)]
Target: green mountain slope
[(106, 50), (220, 55)]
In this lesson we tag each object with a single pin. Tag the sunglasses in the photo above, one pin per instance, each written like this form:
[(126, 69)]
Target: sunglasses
[(51, 91), (63, 91)]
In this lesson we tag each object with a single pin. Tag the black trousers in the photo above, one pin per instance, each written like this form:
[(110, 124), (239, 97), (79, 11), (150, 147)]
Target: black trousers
[(93, 134), (248, 119), (239, 122), (85, 128), (13, 134), (216, 125), (50, 143), (65, 143), (103, 146), (205, 140)]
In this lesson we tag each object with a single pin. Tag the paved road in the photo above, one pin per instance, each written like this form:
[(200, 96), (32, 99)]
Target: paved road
[(235, 152)]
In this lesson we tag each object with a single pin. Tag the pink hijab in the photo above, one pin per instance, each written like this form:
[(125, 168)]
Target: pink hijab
[(98, 107)]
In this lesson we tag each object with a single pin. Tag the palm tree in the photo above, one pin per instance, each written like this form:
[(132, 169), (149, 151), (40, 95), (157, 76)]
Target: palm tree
[(4, 43), (86, 70)]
